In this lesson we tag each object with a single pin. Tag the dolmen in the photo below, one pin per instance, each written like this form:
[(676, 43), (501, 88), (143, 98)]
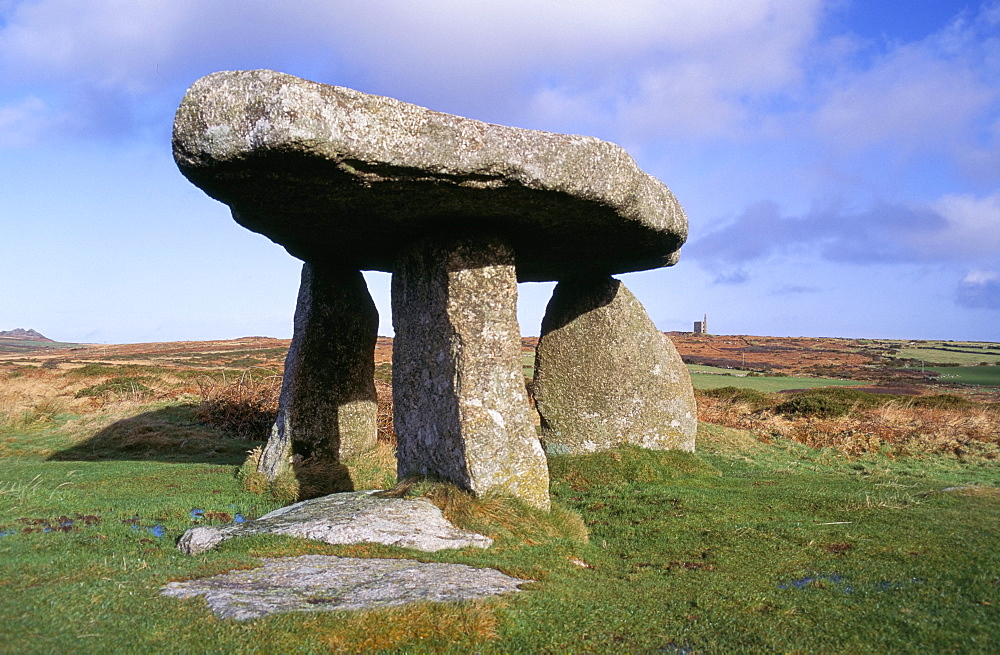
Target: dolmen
[(459, 211)]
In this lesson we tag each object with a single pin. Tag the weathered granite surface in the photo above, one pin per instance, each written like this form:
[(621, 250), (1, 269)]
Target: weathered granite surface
[(333, 174), (327, 409), (347, 518), (461, 412), (605, 375), (316, 583), (458, 210)]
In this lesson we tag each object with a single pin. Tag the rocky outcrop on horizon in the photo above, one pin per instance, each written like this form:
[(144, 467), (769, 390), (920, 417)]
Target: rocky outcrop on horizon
[(21, 333)]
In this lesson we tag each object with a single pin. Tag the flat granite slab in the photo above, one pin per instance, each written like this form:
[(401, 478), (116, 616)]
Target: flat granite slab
[(348, 518), (333, 174), (317, 583)]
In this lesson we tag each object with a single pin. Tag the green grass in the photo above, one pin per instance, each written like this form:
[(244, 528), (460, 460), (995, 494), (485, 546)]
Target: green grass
[(988, 376), (528, 365), (764, 383), (743, 547), (102, 369), (716, 370), (952, 353)]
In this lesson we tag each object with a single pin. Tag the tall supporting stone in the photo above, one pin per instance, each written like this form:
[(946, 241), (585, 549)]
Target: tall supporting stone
[(461, 412), (328, 403), (604, 375)]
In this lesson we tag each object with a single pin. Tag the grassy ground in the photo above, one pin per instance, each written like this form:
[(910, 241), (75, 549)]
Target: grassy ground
[(713, 377), (764, 383), (946, 352), (716, 370), (745, 546), (987, 376)]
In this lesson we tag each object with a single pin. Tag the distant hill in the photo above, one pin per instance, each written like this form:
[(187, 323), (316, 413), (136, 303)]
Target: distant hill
[(21, 333)]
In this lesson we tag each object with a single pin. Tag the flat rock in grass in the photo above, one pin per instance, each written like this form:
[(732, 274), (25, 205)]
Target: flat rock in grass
[(314, 583), (348, 518), (338, 175)]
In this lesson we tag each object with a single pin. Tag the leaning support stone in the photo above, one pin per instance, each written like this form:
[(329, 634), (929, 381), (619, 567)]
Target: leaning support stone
[(328, 403), (458, 387), (604, 375)]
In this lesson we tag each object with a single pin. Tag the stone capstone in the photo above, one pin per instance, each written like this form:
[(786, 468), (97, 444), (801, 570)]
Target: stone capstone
[(460, 408), (338, 175), (605, 375), (316, 583), (347, 518), (327, 409)]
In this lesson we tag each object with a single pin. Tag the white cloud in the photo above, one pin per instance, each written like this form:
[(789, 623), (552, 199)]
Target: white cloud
[(677, 67), (110, 43), (703, 84), (979, 290), (931, 96), (23, 122), (973, 226), (981, 277), (911, 98), (956, 230)]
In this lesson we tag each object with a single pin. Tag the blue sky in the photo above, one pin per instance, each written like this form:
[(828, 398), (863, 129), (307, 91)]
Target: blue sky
[(839, 160)]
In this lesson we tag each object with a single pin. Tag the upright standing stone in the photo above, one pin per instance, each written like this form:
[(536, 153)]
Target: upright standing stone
[(460, 408), (328, 403), (604, 375)]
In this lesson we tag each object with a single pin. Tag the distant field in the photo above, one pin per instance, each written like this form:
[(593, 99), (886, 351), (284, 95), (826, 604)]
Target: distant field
[(28, 345), (700, 368), (712, 381), (988, 376), (948, 352)]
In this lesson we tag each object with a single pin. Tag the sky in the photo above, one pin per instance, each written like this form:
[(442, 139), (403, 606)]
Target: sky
[(838, 160)]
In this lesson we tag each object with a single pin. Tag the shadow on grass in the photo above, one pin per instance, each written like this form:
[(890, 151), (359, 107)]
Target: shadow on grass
[(169, 434)]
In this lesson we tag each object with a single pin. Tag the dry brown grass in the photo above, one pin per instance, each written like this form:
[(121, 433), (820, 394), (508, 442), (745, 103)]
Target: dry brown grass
[(386, 431), (30, 397), (34, 397), (423, 627), (248, 405), (898, 427), (245, 406)]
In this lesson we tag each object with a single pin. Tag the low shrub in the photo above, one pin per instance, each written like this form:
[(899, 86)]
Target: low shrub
[(752, 397), (244, 407), (122, 386), (857, 423), (850, 396), (105, 369), (944, 401), (247, 406), (92, 370), (810, 405)]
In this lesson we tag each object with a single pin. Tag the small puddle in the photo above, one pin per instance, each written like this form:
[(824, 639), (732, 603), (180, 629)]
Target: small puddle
[(842, 584)]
